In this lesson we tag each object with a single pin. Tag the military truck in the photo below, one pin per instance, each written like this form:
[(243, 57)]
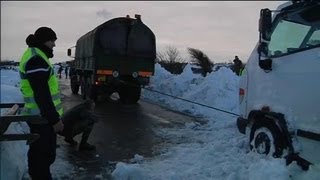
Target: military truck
[(279, 90), (116, 56)]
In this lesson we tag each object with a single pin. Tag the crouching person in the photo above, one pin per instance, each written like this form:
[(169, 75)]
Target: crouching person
[(77, 120)]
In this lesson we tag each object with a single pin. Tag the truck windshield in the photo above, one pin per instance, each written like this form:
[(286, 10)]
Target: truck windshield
[(294, 33)]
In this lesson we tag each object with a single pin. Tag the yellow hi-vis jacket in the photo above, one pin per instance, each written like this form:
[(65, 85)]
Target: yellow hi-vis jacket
[(31, 107)]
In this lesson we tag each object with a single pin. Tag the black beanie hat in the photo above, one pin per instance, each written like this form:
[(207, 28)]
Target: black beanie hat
[(44, 34)]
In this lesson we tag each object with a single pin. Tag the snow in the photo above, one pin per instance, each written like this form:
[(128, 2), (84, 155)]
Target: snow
[(13, 153), (213, 150)]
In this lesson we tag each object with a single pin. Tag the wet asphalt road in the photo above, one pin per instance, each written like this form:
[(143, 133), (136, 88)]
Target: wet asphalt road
[(122, 132)]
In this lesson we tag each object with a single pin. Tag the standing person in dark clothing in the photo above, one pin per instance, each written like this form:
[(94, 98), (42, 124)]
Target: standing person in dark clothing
[(77, 120), (60, 71), (66, 71), (237, 66), (71, 69), (41, 92)]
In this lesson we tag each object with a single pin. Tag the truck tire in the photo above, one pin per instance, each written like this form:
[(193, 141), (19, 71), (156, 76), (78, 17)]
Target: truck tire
[(130, 94), (92, 94), (123, 94), (84, 88), (266, 138), (74, 85), (134, 95)]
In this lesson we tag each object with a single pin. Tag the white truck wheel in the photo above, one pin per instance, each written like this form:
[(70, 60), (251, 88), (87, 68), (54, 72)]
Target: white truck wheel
[(266, 138)]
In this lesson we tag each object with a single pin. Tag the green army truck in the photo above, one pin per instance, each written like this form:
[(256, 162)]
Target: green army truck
[(116, 56)]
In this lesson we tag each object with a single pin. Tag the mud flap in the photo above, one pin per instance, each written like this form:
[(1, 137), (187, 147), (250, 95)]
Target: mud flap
[(304, 164), (242, 124)]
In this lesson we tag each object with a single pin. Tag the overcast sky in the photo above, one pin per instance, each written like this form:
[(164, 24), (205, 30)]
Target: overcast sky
[(220, 29)]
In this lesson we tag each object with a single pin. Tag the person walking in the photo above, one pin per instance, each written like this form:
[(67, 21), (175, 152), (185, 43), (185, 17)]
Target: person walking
[(41, 93)]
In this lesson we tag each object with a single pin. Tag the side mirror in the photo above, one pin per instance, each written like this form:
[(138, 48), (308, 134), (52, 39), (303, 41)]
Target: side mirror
[(263, 48), (266, 64), (265, 22), (69, 52)]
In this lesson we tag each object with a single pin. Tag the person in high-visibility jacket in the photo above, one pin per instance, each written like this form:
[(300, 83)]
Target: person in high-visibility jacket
[(41, 93), (237, 66)]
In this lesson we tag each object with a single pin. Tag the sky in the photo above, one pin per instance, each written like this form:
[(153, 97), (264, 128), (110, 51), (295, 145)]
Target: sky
[(214, 150), (221, 29)]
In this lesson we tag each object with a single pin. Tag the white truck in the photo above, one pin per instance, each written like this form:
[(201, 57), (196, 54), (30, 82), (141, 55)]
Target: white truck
[(279, 90)]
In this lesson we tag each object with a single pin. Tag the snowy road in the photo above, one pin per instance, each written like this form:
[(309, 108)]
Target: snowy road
[(122, 132)]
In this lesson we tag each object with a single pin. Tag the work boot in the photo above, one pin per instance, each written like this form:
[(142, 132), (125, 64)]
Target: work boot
[(71, 141), (86, 146)]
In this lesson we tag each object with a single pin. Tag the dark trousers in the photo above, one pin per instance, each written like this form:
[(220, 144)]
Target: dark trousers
[(70, 131), (42, 152)]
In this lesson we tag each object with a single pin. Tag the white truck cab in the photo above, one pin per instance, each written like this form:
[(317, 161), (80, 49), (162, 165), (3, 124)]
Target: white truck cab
[(280, 85)]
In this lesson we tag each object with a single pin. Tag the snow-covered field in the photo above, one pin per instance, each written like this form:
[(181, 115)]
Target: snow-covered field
[(215, 150)]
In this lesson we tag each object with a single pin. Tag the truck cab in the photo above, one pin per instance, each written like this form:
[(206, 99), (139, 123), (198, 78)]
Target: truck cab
[(279, 91)]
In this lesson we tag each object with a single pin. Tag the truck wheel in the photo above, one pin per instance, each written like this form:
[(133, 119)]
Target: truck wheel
[(84, 88), (266, 138), (134, 95), (130, 94), (92, 92), (74, 85), (123, 94)]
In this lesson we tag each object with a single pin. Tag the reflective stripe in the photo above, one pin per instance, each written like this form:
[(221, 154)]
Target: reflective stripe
[(59, 109), (38, 70), (56, 97), (29, 100), (30, 111), (24, 75), (36, 111), (32, 100), (58, 106)]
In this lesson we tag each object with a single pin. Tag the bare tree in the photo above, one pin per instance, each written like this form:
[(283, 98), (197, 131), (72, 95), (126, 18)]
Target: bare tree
[(200, 59), (171, 54), (161, 57), (171, 60)]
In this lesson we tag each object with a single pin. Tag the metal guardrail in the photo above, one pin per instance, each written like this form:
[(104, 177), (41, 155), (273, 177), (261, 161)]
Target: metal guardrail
[(7, 119)]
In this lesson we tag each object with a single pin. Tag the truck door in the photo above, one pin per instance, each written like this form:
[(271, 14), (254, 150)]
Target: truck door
[(295, 52)]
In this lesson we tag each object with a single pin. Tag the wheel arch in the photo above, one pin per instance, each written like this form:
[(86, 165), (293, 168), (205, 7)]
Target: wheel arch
[(278, 119)]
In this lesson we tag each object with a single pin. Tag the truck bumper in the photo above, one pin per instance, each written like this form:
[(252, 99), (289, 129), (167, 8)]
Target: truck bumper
[(242, 124), (143, 81)]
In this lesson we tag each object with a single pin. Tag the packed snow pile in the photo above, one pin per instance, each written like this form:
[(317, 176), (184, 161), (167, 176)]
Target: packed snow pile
[(215, 150)]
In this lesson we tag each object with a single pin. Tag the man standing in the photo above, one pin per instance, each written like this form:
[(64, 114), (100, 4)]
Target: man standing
[(238, 66), (66, 71), (60, 70), (41, 92)]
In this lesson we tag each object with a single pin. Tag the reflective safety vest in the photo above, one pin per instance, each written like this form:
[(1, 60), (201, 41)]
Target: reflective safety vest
[(30, 106), (241, 71)]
